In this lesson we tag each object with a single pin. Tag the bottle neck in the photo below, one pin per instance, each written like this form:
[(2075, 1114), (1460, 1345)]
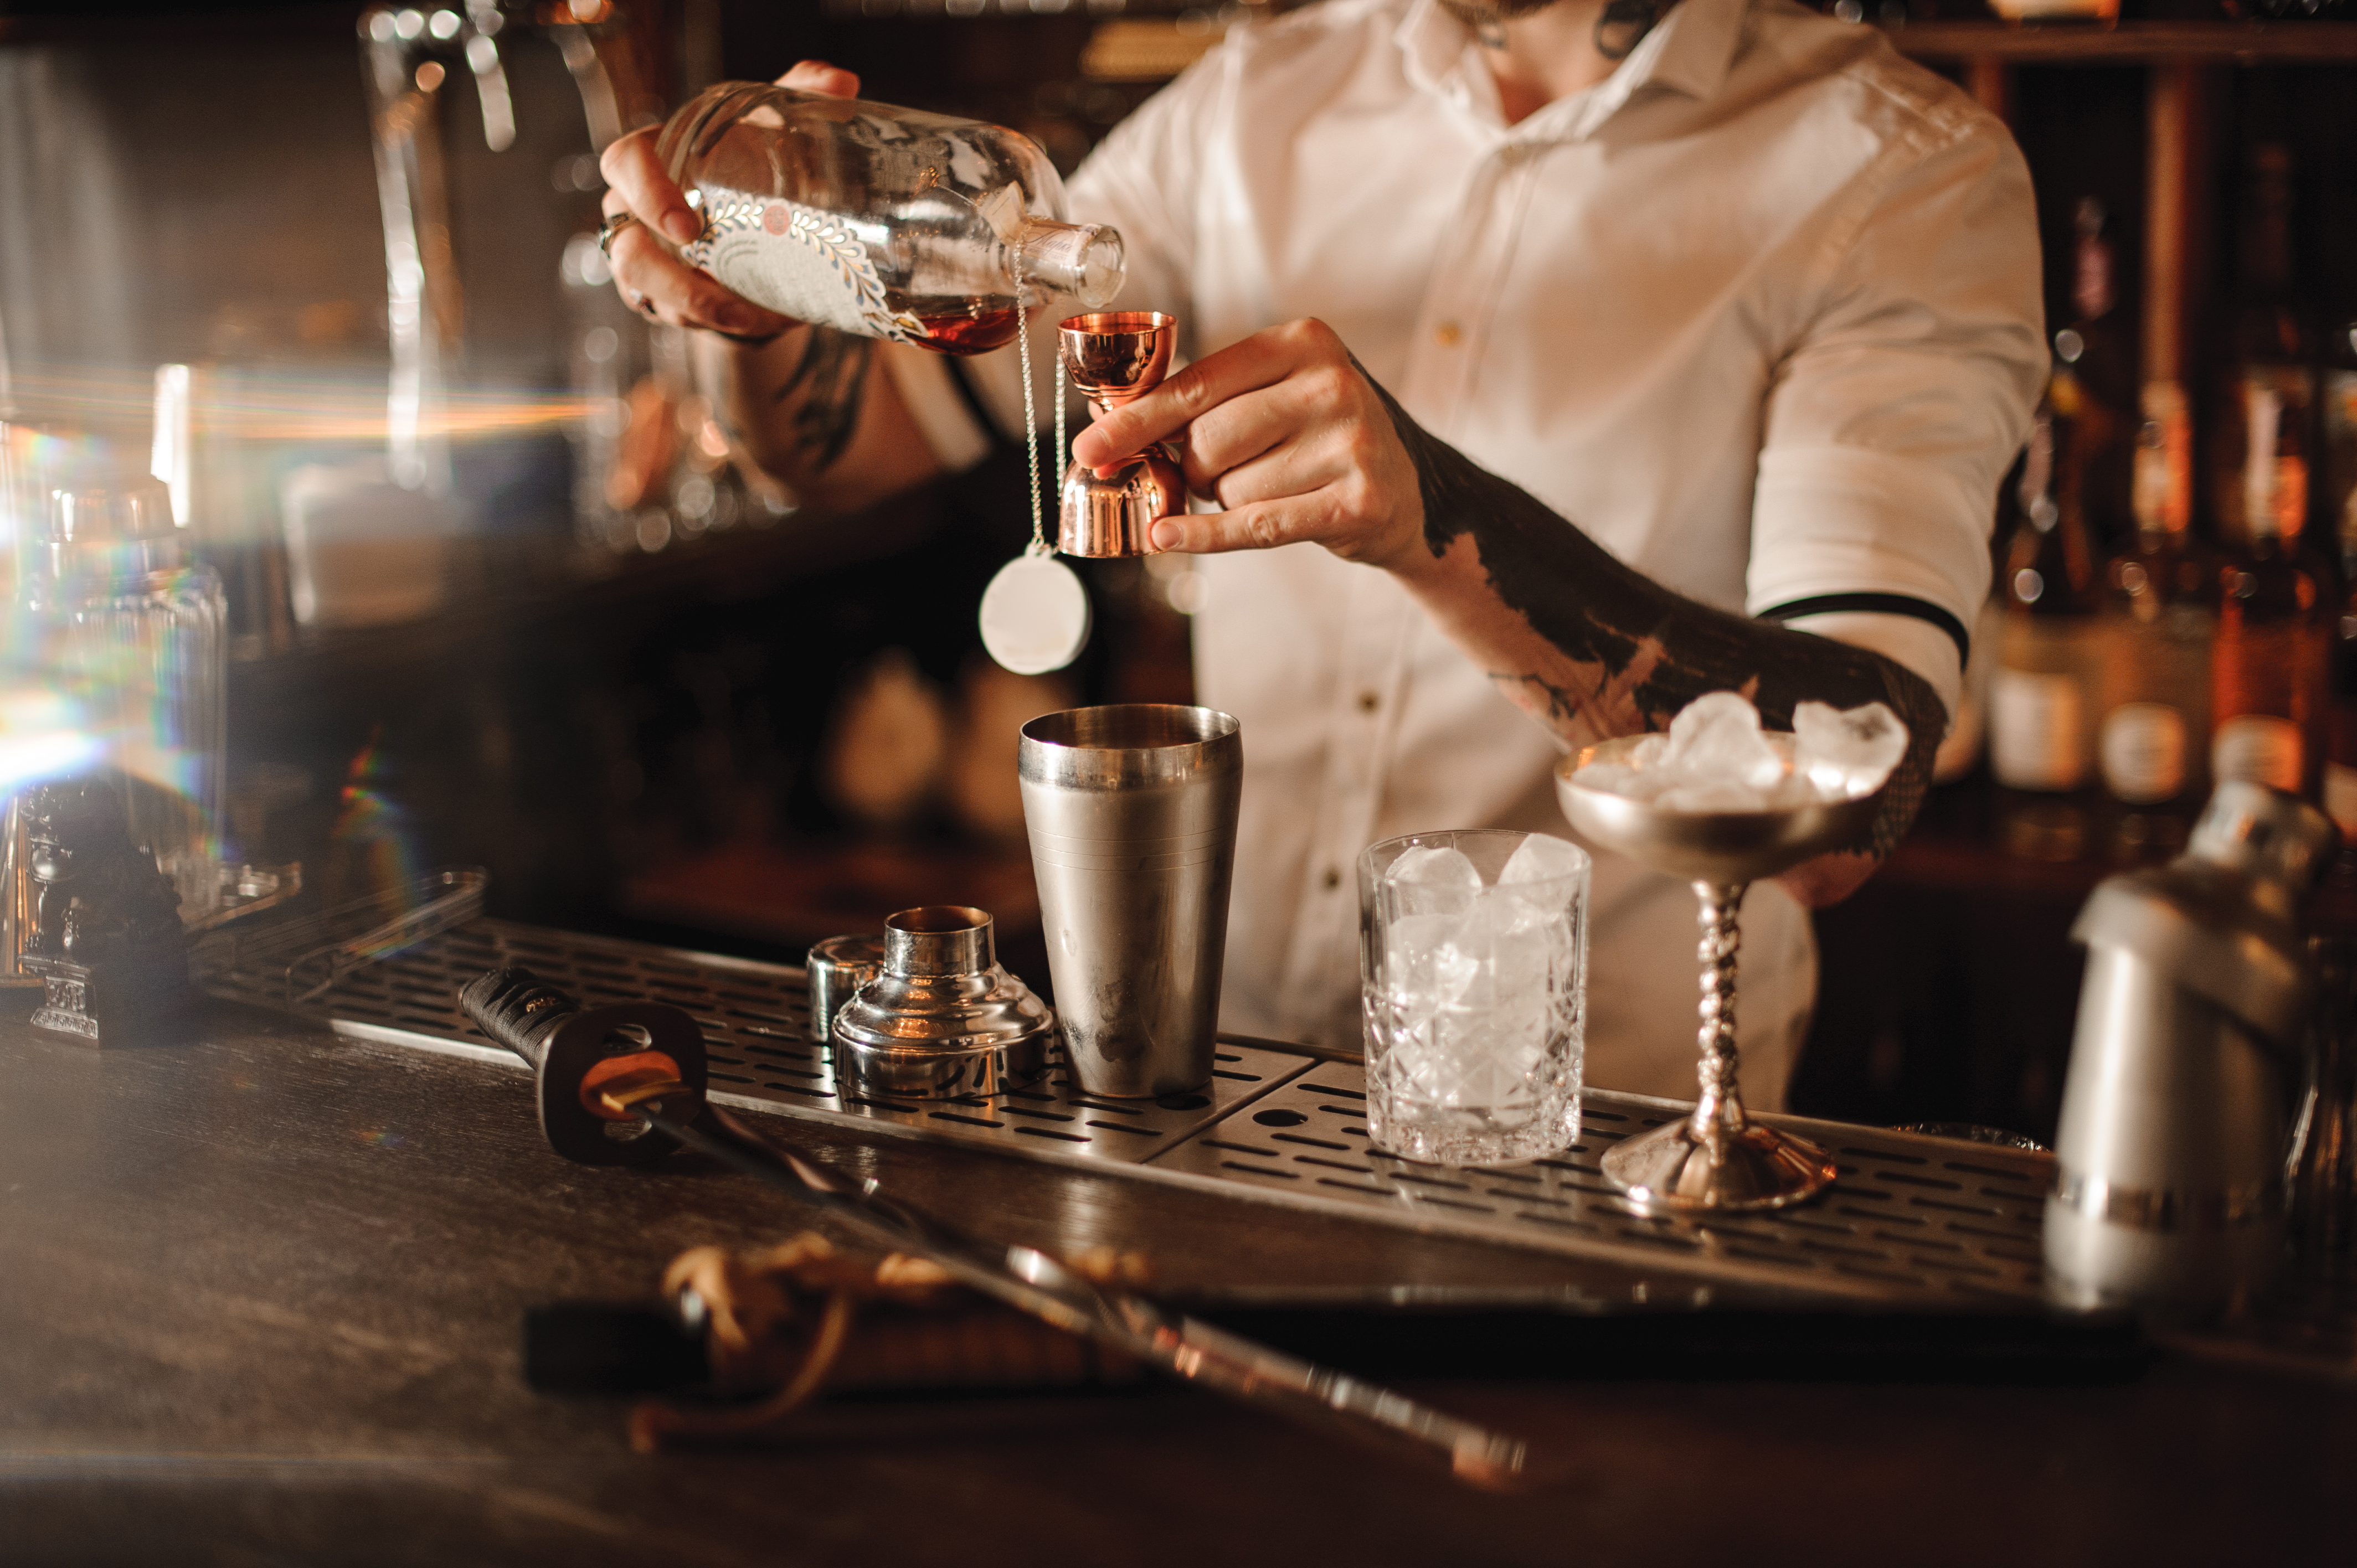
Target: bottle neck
[(1082, 260)]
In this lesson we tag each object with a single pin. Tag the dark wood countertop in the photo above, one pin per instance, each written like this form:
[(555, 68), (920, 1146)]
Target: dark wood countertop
[(261, 1296)]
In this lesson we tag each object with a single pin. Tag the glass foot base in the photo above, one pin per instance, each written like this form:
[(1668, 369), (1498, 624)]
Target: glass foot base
[(1757, 1167)]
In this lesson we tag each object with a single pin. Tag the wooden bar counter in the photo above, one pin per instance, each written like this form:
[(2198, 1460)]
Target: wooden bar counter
[(262, 1291)]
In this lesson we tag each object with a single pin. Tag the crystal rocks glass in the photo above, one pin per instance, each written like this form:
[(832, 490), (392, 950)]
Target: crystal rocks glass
[(1473, 972)]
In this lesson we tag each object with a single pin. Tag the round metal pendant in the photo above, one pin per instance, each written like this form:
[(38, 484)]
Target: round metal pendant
[(1035, 615)]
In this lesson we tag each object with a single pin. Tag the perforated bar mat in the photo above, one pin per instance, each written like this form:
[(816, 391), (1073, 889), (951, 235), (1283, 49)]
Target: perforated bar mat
[(1919, 1220)]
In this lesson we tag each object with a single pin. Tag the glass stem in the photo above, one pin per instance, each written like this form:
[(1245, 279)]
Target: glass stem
[(1719, 1110)]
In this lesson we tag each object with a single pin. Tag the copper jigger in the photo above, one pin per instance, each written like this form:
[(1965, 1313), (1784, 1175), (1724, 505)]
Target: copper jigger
[(1115, 356)]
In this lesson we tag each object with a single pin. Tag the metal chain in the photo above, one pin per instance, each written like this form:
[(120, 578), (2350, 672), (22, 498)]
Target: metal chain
[(1039, 545)]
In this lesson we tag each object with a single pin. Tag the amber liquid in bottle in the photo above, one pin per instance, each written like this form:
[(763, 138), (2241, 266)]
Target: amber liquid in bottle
[(2267, 686), (976, 326), (2274, 618)]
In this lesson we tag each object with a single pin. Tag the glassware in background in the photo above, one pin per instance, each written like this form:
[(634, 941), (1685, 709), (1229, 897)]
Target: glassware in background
[(221, 489), (879, 221), (114, 618), (360, 550), (651, 464), (1473, 972)]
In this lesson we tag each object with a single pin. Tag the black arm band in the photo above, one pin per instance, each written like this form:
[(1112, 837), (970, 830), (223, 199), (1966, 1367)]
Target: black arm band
[(1875, 603)]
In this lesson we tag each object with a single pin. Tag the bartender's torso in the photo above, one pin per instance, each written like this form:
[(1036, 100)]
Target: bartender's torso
[(1597, 302)]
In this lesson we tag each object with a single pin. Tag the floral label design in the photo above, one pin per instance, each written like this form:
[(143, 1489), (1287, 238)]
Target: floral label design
[(797, 261)]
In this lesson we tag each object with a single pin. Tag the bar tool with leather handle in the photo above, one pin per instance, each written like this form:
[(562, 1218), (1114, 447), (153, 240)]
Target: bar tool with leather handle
[(2168, 1184), (580, 1056)]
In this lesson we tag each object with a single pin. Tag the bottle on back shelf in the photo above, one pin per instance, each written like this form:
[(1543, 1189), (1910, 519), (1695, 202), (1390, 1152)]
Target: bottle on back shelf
[(879, 221), (2150, 657), (2268, 675), (2338, 510), (2041, 713), (2092, 393)]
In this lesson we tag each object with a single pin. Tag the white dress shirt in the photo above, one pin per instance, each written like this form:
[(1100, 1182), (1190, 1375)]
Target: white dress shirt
[(1760, 314)]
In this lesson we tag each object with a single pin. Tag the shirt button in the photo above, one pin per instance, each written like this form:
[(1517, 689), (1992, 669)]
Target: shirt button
[(1330, 879), (1448, 334), (1369, 702)]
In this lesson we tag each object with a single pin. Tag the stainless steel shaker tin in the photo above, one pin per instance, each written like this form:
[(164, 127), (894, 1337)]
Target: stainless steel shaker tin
[(941, 1018), (1132, 816), (838, 966), (2168, 1178)]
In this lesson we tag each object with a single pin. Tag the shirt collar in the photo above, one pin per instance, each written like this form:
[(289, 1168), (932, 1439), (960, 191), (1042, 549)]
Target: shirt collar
[(1689, 52)]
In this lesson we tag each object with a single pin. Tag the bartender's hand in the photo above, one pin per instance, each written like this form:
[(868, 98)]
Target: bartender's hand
[(653, 279), (1286, 433)]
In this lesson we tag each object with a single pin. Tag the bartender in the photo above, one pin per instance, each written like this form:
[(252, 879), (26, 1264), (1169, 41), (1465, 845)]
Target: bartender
[(1548, 361)]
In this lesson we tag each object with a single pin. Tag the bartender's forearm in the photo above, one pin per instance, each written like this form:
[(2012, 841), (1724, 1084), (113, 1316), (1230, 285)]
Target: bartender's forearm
[(1594, 648), (817, 411)]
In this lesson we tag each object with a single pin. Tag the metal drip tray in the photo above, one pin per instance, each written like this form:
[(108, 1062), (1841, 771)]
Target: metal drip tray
[(1913, 1220), (756, 1022)]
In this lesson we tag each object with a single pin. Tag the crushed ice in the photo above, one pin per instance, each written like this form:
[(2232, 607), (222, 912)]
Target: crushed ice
[(1715, 758)]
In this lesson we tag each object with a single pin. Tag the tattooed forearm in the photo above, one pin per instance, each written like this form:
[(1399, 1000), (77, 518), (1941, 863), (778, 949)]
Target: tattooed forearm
[(831, 376), (1617, 653)]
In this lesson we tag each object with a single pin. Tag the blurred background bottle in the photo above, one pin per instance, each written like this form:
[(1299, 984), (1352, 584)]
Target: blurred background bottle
[(2338, 508), (2041, 709), (2151, 652), (2268, 678)]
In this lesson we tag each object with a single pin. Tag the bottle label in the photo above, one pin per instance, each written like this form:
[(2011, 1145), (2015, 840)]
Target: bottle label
[(2037, 738), (2143, 752), (2341, 797), (797, 261), (2258, 748)]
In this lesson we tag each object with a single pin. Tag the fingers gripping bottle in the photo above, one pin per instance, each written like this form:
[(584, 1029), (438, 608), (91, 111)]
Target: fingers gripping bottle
[(879, 221)]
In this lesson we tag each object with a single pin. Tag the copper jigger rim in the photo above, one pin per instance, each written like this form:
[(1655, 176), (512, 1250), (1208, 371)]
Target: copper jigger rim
[(1114, 356), (1106, 323)]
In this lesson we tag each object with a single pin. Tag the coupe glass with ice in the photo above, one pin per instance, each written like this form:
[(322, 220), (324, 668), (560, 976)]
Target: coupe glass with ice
[(1473, 965)]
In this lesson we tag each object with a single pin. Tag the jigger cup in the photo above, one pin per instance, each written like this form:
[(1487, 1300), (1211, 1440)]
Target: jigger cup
[(1132, 812), (1116, 357)]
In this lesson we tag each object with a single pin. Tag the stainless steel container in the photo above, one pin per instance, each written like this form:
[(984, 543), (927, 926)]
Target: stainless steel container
[(941, 1018), (1132, 813), (837, 968), (2168, 1182)]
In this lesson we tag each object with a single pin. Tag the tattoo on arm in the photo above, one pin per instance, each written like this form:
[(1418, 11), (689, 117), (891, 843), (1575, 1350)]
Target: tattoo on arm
[(831, 376), (1636, 651)]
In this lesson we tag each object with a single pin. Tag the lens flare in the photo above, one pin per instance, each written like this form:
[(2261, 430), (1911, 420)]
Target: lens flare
[(282, 405), (372, 846)]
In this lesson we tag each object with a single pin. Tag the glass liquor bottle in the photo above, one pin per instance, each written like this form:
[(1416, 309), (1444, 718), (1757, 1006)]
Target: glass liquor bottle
[(2267, 685), (2268, 674), (2159, 589), (2266, 393), (2092, 393), (2040, 710), (2340, 512), (879, 221), (128, 633)]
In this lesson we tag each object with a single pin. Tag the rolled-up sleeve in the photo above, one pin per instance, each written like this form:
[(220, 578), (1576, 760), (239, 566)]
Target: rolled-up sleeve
[(1888, 428)]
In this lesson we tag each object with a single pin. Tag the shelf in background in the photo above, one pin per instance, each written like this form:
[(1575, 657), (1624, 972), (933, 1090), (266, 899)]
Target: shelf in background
[(2132, 43)]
